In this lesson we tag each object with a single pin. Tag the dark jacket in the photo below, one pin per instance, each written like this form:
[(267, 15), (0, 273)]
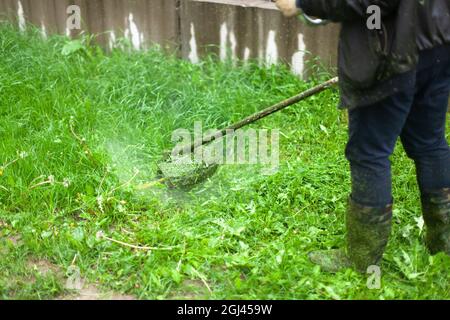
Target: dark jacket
[(374, 64), (433, 24)]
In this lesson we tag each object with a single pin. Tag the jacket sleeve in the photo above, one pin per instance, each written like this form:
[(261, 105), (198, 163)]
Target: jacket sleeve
[(346, 10)]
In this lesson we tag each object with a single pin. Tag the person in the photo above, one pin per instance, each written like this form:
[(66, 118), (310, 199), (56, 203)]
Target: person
[(395, 83)]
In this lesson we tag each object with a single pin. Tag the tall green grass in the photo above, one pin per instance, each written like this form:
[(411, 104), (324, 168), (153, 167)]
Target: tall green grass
[(78, 124)]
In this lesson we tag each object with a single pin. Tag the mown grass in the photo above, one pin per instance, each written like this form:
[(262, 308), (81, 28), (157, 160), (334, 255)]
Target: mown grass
[(240, 235)]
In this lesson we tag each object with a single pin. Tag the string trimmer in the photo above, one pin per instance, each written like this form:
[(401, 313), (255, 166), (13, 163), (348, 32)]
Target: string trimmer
[(174, 172)]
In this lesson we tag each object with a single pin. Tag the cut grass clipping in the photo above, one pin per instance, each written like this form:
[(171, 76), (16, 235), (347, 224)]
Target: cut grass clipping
[(79, 129)]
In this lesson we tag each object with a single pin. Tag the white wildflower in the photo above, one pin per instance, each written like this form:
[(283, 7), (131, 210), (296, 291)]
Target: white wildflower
[(66, 183), (51, 179), (23, 154), (100, 203), (99, 235)]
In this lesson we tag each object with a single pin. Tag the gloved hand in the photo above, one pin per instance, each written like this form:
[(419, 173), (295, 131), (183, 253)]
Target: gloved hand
[(288, 7)]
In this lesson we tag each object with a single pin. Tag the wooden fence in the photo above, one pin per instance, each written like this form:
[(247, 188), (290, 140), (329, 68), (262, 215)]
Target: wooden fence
[(244, 29)]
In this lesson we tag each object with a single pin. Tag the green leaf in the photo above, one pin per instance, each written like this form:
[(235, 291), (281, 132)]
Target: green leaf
[(72, 47), (78, 234)]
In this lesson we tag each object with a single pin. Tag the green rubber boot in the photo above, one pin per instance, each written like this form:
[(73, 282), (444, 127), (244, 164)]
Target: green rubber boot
[(368, 231), (436, 213)]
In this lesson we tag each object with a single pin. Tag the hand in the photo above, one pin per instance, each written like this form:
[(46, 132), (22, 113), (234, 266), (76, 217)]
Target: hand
[(288, 7)]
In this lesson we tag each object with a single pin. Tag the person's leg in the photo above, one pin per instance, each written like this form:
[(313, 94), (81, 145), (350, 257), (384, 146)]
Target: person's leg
[(424, 140), (423, 135), (373, 132)]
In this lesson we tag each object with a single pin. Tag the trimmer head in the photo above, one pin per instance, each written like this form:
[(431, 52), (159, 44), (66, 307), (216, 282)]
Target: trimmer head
[(184, 173)]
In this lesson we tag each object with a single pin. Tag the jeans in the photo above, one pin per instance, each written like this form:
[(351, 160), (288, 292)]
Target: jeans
[(417, 114)]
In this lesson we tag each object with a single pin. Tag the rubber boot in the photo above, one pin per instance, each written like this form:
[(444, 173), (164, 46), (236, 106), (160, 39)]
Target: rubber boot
[(436, 213), (368, 231)]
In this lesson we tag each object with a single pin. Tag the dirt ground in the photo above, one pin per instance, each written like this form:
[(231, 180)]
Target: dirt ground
[(77, 290)]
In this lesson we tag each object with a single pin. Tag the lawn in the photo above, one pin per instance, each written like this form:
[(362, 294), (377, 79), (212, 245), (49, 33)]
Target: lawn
[(80, 129)]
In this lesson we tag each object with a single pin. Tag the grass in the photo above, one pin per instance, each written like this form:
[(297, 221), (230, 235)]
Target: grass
[(76, 125)]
